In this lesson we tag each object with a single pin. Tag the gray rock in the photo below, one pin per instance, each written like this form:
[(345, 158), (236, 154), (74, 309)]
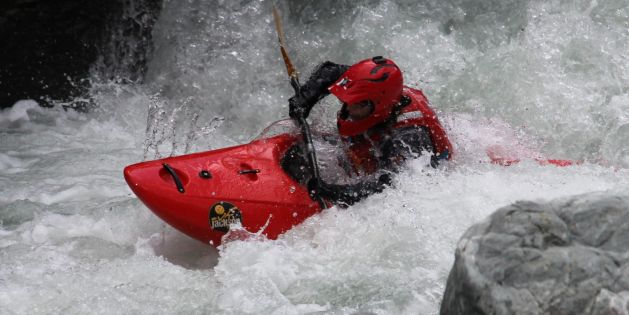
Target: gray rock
[(569, 256)]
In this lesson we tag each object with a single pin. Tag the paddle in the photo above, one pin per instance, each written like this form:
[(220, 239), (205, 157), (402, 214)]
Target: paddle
[(309, 150)]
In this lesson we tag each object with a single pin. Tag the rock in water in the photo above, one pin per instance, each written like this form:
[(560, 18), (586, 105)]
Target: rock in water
[(569, 256)]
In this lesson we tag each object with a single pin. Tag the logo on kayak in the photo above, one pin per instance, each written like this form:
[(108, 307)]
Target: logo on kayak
[(222, 215)]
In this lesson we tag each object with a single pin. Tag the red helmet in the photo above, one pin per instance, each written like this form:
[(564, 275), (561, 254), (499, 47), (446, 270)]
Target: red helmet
[(375, 82)]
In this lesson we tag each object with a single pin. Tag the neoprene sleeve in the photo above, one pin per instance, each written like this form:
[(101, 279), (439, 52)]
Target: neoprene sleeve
[(350, 194), (405, 143)]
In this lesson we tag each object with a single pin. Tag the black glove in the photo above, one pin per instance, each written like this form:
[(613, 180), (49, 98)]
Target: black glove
[(298, 107)]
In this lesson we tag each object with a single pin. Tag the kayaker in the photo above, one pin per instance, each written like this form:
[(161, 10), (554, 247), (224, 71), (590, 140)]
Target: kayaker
[(381, 121)]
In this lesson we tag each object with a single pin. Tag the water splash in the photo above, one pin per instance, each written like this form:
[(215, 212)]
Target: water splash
[(547, 76), (174, 131)]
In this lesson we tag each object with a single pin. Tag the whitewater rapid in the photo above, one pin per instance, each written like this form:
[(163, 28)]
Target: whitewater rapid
[(534, 77)]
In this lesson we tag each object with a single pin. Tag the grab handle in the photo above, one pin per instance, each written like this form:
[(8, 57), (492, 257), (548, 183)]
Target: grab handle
[(175, 177), (253, 171)]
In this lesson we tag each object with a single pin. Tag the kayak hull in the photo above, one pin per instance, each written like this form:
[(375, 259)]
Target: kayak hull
[(207, 194)]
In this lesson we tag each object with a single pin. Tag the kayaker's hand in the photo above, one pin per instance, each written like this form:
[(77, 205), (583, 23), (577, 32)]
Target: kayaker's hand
[(297, 107)]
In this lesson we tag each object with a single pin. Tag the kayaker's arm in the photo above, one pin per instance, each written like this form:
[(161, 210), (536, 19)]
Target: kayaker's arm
[(315, 88), (406, 143), (345, 195)]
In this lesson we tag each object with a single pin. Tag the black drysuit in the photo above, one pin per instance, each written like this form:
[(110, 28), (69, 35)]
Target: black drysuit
[(396, 143)]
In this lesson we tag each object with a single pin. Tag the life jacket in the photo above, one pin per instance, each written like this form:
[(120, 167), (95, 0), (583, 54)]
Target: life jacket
[(363, 150)]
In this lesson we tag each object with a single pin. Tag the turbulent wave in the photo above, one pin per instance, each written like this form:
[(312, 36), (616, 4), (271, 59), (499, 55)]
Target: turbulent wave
[(531, 77)]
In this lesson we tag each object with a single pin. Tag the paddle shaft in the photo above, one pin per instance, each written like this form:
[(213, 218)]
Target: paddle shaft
[(303, 124)]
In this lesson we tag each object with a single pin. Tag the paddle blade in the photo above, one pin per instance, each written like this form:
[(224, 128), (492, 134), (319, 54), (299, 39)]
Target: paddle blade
[(280, 37)]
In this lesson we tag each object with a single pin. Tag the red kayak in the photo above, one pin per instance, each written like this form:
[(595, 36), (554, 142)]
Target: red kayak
[(499, 156), (204, 194), (256, 188), (259, 187)]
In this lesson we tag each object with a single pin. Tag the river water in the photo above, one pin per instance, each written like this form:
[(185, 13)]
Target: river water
[(528, 78)]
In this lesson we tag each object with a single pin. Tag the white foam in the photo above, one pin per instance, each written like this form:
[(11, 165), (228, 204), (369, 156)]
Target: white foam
[(86, 245), (10, 164), (19, 111)]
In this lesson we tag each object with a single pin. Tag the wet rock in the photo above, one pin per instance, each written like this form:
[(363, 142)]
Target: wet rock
[(49, 47), (569, 256)]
